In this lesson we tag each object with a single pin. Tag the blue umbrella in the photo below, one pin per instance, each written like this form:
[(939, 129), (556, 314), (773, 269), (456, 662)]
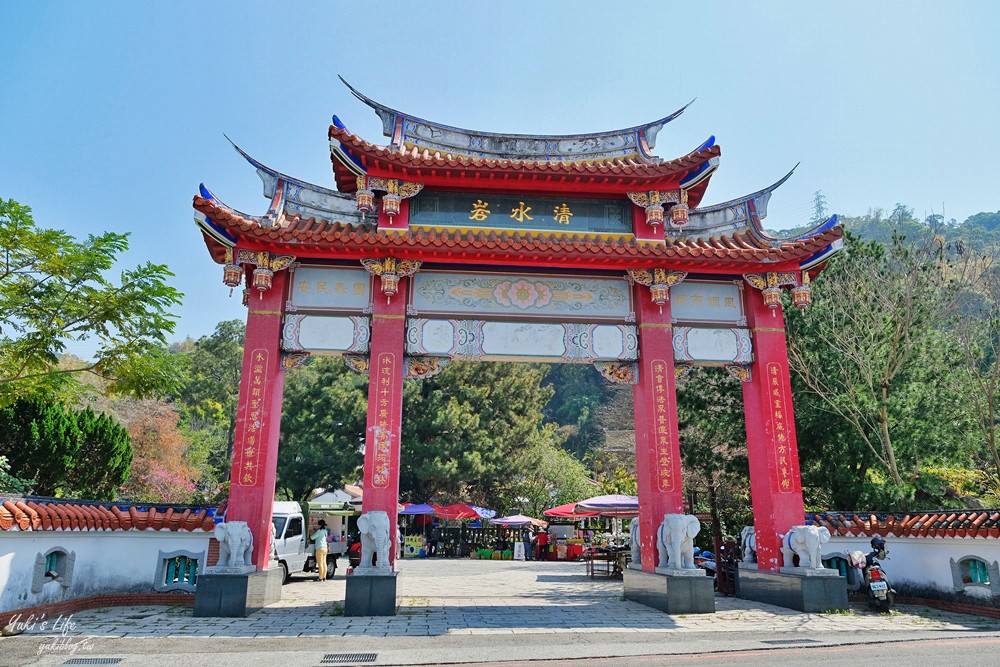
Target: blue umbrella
[(418, 509)]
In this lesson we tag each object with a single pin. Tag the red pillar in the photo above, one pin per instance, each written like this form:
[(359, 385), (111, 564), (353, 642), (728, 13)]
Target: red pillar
[(657, 445), (385, 406), (775, 483), (258, 418)]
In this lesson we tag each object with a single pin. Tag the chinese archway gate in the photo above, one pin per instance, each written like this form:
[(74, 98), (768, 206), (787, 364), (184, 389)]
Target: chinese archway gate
[(452, 244)]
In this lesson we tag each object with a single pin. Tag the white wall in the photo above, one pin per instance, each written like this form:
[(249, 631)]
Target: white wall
[(923, 562), (106, 562)]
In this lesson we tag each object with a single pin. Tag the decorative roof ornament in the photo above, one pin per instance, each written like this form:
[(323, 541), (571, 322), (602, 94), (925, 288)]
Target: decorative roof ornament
[(232, 273), (653, 202), (770, 285), (364, 197), (395, 191), (659, 282), (390, 270), (265, 264), (801, 294)]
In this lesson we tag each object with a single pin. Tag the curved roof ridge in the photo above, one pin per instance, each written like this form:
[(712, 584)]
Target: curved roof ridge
[(377, 106), (742, 200), (405, 129)]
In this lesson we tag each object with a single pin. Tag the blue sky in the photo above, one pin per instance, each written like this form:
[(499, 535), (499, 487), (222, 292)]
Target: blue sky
[(114, 112)]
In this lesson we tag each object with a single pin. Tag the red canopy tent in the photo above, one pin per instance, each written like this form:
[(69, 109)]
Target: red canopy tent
[(567, 510), (455, 511)]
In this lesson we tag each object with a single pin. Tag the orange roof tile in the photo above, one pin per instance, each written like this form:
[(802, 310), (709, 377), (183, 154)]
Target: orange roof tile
[(413, 161), (311, 237), (39, 514), (944, 523)]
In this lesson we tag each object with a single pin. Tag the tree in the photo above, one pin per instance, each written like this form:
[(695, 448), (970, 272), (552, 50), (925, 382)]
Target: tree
[(322, 427), (65, 452), (713, 447), (53, 290), (469, 432), (578, 392), (162, 469), (13, 485), (103, 458), (208, 393), (975, 321), (871, 351)]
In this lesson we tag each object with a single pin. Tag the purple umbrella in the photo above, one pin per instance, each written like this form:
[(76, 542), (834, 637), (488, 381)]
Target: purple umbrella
[(518, 520), (613, 505)]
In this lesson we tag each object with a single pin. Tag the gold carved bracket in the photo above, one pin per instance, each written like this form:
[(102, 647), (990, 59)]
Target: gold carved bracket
[(739, 372), (357, 362), (659, 282), (390, 270), (618, 372), (290, 360)]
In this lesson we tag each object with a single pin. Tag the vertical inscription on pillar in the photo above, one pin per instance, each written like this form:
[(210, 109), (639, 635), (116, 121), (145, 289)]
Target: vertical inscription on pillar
[(785, 457), (386, 376), (247, 456), (661, 427)]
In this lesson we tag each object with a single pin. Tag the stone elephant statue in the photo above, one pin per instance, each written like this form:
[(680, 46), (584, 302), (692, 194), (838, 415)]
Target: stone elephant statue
[(748, 544), (675, 541), (633, 541), (806, 542), (374, 527), (235, 543)]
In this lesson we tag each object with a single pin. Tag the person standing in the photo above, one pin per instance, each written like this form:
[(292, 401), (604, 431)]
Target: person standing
[(321, 548), (543, 545), (526, 538)]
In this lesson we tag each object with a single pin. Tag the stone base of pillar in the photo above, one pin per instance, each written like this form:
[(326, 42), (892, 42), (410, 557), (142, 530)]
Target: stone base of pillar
[(672, 594), (236, 595), (808, 593), (370, 595)]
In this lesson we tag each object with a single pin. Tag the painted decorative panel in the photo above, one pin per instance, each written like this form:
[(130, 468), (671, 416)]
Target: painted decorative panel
[(522, 213), (523, 296), (712, 346), (707, 301), (567, 343), (330, 288), (323, 333)]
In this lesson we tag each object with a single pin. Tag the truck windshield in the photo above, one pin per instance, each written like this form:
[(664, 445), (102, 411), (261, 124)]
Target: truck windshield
[(279, 525)]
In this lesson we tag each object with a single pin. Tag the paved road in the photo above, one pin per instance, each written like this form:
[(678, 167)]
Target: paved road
[(462, 611)]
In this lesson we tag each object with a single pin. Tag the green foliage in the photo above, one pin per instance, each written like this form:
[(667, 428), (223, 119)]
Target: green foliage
[(65, 452), (713, 447), (102, 460), (53, 290), (322, 427), (476, 432), (876, 393), (578, 392), (13, 485), (207, 395)]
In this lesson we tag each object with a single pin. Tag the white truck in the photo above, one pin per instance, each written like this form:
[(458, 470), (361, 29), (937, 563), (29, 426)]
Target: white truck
[(292, 548)]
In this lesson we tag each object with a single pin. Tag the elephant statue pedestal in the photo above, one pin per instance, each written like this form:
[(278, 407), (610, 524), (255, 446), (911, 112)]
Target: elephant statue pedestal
[(688, 593), (371, 593), (804, 589), (221, 592)]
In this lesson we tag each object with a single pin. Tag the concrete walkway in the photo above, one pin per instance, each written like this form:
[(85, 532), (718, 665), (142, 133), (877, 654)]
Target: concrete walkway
[(514, 608)]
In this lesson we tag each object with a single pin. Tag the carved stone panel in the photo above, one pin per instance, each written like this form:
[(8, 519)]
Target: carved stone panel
[(534, 341), (325, 334), (712, 346), (330, 288), (526, 296)]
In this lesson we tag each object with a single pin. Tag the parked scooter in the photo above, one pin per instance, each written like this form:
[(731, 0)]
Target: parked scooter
[(880, 593)]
